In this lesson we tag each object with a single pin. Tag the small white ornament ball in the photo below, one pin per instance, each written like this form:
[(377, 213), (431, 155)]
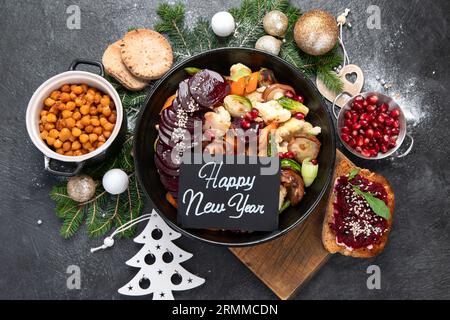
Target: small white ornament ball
[(115, 181), (275, 23), (223, 24), (269, 44)]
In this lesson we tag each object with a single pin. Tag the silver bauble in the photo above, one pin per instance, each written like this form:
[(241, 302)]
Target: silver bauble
[(269, 44)]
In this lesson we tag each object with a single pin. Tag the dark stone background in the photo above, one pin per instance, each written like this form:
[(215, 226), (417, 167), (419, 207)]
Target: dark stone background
[(411, 52)]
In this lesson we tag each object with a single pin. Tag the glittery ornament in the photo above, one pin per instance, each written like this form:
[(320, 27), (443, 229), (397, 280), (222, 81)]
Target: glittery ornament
[(269, 44), (275, 23), (81, 188), (316, 32)]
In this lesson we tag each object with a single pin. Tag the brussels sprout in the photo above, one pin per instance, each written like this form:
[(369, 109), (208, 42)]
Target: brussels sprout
[(192, 70), (309, 171), (266, 77), (237, 106), (291, 164), (293, 106), (238, 71)]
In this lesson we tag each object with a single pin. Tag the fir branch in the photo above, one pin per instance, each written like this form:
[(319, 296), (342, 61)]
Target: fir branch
[(72, 222), (330, 79)]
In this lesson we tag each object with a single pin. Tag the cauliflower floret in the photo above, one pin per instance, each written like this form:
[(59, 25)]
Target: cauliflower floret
[(272, 111), (218, 121), (294, 126), (283, 193), (255, 97)]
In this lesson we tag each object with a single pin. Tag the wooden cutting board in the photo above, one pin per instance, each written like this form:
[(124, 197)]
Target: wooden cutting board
[(288, 262)]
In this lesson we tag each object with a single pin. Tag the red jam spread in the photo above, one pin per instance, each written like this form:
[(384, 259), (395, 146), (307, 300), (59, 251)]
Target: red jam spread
[(355, 224)]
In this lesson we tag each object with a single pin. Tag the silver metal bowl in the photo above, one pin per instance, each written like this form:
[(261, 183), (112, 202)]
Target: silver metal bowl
[(392, 105)]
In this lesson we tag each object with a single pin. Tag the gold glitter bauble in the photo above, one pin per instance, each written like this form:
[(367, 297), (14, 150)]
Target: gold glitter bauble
[(81, 188), (316, 32), (275, 23), (269, 44)]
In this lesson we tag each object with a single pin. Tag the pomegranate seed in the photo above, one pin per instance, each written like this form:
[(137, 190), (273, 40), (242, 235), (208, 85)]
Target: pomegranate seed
[(351, 142), (348, 123), (355, 118), (366, 153), (363, 123), (255, 113), (377, 134), (281, 155), (365, 103), (289, 94), (347, 115), (395, 113), (389, 122), (370, 108), (393, 141), (314, 161), (369, 133), (384, 107), (345, 137), (395, 131), (358, 99), (373, 99), (356, 126), (386, 138), (299, 99), (299, 116), (354, 133), (358, 149), (360, 141), (357, 105), (384, 148), (387, 131), (380, 118), (248, 116), (289, 155), (345, 130), (366, 141), (245, 124), (396, 124), (375, 124)]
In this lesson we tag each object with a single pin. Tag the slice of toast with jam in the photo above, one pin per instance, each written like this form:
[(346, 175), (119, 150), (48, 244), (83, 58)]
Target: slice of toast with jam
[(351, 227)]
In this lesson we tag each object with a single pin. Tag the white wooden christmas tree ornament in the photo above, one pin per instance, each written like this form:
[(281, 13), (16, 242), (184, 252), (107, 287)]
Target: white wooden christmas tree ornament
[(159, 261)]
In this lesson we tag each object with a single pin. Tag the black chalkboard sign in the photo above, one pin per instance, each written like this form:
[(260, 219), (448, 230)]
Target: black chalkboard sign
[(238, 193)]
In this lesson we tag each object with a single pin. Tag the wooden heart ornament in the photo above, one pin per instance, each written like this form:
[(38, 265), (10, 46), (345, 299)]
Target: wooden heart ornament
[(351, 87)]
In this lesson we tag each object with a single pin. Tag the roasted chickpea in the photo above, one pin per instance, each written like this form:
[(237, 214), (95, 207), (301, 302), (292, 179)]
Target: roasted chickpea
[(66, 146), (98, 130), (79, 125), (76, 115), (86, 120), (43, 113), (93, 111), (93, 137), (76, 132), (44, 134), (89, 128), (107, 134), (99, 144), (106, 111), (69, 153), (105, 101), (84, 138), (61, 123), (84, 109), (50, 140), (70, 123), (76, 145), (51, 117), (60, 151), (85, 87), (53, 133), (70, 105), (49, 102), (78, 102), (66, 114), (112, 118), (65, 88), (97, 98), (58, 143), (61, 106), (101, 138), (65, 97), (100, 109), (49, 126), (89, 97), (95, 122), (64, 134), (77, 90), (55, 95), (77, 153), (87, 146), (108, 126), (73, 96)]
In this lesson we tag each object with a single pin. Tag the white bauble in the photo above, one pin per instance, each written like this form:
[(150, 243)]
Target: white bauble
[(223, 24), (115, 181), (269, 44)]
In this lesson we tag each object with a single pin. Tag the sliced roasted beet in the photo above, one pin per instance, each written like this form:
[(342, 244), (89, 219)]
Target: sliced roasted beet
[(184, 96), (169, 182), (163, 168), (163, 152), (208, 87)]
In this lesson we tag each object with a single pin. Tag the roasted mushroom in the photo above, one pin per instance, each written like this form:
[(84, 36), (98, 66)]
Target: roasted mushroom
[(294, 185), (266, 77), (304, 146), (275, 91)]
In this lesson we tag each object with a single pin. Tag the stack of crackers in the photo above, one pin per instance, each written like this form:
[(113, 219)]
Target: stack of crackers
[(141, 56)]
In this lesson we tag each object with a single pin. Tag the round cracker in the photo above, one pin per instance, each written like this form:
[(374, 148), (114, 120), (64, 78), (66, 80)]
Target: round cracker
[(112, 61), (146, 53)]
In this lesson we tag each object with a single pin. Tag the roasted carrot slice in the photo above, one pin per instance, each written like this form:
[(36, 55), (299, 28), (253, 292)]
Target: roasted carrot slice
[(171, 200), (238, 87), (168, 102), (252, 83)]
